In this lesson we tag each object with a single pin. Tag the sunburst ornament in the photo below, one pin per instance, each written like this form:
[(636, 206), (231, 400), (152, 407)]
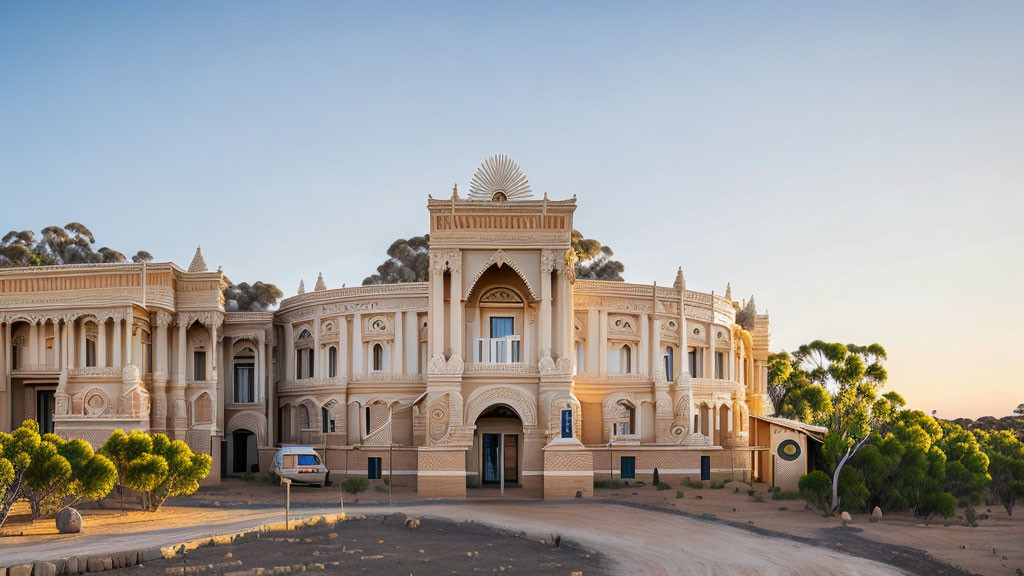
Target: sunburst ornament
[(499, 179)]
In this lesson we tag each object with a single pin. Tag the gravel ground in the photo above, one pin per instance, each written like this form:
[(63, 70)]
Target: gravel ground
[(384, 545)]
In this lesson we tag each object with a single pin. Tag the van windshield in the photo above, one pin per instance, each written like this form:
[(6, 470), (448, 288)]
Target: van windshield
[(308, 460)]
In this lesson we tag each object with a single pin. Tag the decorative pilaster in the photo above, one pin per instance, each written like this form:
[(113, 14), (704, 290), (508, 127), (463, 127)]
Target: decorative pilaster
[(547, 266), (456, 325)]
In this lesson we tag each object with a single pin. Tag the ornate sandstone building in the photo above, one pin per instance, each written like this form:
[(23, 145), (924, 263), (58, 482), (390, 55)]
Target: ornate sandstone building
[(503, 367)]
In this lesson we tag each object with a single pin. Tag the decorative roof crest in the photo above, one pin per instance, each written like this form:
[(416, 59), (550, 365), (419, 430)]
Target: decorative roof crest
[(499, 179), (302, 287), (320, 284), (198, 263)]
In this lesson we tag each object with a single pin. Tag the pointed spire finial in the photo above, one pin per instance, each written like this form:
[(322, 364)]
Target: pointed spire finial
[(728, 291), (198, 263), (302, 287), (320, 284), (680, 282)]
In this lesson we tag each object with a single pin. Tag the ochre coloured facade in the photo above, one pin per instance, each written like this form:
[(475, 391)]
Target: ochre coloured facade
[(502, 368)]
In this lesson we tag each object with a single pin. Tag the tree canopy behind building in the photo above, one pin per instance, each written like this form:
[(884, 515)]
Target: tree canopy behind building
[(256, 297), (70, 244), (409, 261)]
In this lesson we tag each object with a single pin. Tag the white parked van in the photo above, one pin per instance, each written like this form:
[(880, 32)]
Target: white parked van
[(300, 464)]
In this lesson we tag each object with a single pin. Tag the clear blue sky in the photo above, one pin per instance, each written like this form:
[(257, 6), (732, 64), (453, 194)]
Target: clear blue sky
[(856, 166)]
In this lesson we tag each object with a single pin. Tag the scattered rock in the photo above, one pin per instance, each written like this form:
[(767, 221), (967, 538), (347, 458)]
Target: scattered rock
[(20, 570), (876, 514), (579, 494), (69, 521), (963, 546), (679, 493), (412, 523), (845, 516)]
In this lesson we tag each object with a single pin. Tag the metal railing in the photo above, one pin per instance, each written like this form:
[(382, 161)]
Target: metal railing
[(497, 350)]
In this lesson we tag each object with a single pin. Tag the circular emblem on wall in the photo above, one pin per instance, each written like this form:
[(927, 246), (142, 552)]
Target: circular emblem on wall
[(789, 450)]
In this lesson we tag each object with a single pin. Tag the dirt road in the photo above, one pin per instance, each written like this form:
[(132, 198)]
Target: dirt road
[(637, 541)]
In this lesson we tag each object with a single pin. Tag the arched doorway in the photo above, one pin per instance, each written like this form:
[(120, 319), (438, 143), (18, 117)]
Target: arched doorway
[(244, 453), (497, 445)]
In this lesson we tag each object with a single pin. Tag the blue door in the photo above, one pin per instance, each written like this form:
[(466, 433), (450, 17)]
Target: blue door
[(705, 467), (627, 467)]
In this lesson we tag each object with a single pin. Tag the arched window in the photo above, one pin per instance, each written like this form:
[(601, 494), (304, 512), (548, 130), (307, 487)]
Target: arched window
[(244, 363), (669, 363), (305, 365), (332, 362), (147, 353), (625, 424), (627, 360), (326, 422), (378, 357)]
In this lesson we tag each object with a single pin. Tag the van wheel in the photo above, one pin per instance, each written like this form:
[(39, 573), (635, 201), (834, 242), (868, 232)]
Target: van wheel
[(327, 479)]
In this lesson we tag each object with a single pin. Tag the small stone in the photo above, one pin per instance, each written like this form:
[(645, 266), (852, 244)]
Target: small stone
[(963, 546), (69, 521), (876, 515), (229, 555), (846, 517), (412, 523), (20, 570)]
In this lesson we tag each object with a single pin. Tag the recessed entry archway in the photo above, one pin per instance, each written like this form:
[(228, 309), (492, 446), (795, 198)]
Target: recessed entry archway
[(497, 447)]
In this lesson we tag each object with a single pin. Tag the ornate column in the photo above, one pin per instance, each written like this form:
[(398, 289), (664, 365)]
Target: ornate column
[(712, 360), (33, 337), (436, 314), (101, 342), (288, 351), (342, 347), (357, 343), (644, 353), (547, 265), (318, 371), (261, 370), (117, 352), (81, 349), (456, 325), (271, 404), (593, 338), (177, 412), (714, 427), (158, 416), (69, 326), (129, 341), (602, 343), (218, 408), (398, 355), (182, 371)]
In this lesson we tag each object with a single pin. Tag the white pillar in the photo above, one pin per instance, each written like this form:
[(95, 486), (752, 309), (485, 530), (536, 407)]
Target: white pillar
[(182, 345), (602, 343), (261, 371), (657, 361), (436, 307), (357, 343), (81, 351), (593, 340), (457, 326), (33, 338), (129, 342), (101, 342), (318, 371), (288, 352), (5, 345), (711, 355), (398, 354), (644, 353), (544, 317), (117, 352), (343, 348)]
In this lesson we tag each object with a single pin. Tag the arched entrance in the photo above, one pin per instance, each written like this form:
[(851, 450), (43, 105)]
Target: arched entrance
[(497, 447), (243, 452)]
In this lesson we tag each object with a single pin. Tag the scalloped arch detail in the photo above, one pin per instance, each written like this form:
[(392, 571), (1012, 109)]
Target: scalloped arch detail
[(499, 259)]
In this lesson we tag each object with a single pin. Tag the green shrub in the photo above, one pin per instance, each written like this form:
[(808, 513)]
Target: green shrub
[(816, 489), (936, 503), (691, 484), (774, 489), (249, 477), (718, 484), (779, 495), (607, 484), (663, 485), (354, 485), (155, 466)]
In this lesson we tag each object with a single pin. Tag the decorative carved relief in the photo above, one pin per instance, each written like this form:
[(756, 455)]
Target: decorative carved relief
[(501, 296)]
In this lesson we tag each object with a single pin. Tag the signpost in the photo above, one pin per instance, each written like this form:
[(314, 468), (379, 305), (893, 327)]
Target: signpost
[(287, 499)]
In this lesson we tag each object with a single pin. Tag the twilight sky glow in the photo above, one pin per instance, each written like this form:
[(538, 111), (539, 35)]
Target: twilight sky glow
[(856, 166)]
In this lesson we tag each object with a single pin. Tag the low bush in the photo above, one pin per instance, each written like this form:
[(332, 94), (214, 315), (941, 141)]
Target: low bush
[(663, 485), (607, 484), (354, 485), (816, 489), (936, 504), (718, 484)]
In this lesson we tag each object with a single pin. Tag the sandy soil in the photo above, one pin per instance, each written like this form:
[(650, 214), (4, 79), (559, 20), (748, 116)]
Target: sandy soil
[(724, 516), (947, 541), (382, 545), (634, 541)]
